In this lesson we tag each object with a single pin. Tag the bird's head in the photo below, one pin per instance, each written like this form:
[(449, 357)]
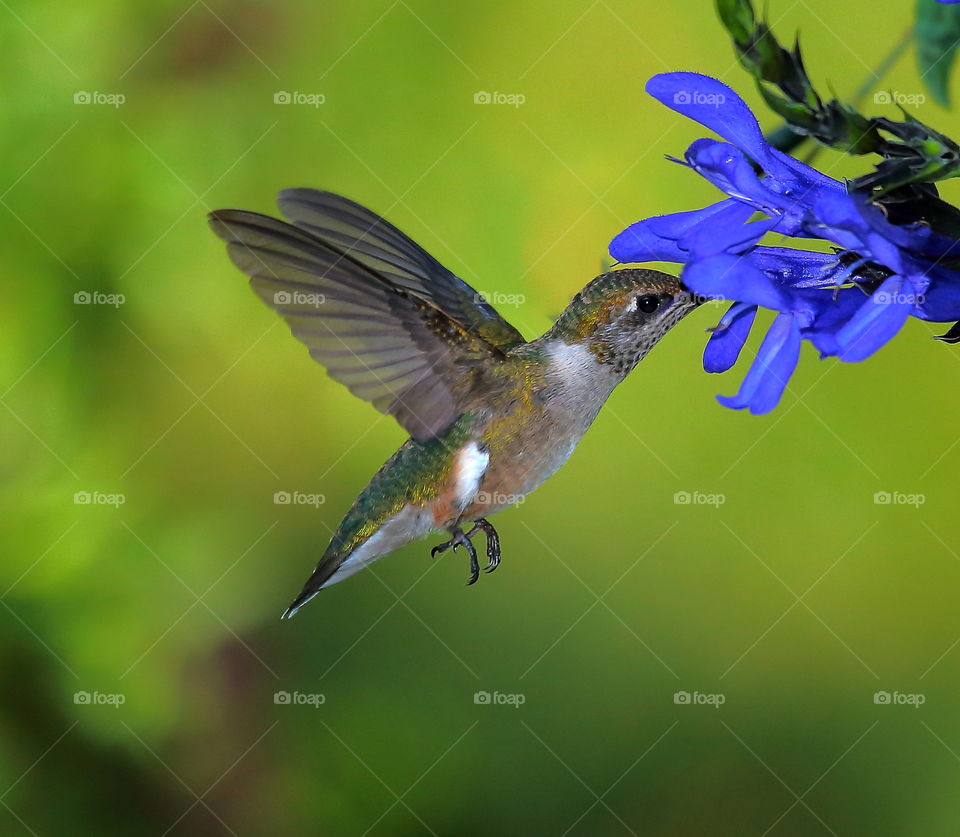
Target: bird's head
[(621, 315)]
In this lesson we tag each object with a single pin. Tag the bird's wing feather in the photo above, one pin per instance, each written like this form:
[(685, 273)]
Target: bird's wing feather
[(379, 245), (387, 339)]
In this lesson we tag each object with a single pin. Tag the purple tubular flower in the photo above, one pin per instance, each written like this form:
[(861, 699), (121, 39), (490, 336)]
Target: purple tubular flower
[(768, 376), (723, 347), (848, 302), (731, 277), (941, 302), (664, 237), (876, 321)]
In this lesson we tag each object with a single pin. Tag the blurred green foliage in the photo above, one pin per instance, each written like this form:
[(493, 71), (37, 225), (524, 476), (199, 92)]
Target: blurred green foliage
[(938, 34), (796, 599)]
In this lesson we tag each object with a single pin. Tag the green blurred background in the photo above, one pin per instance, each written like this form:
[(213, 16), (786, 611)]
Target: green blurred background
[(796, 600)]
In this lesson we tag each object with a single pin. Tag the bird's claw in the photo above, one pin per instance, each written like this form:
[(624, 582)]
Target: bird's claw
[(493, 543), (461, 538)]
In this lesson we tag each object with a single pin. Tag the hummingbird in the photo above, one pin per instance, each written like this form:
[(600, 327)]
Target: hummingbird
[(490, 414)]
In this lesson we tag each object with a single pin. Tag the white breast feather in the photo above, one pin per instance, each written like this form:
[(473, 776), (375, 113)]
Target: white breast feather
[(471, 466)]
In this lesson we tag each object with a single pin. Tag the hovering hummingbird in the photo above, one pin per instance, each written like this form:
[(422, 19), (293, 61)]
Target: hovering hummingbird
[(490, 415)]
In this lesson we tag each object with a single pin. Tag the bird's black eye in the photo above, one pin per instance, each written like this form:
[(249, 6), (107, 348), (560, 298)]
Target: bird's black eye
[(648, 303)]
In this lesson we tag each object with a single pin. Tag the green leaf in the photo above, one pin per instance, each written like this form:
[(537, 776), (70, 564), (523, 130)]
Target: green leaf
[(937, 31), (738, 18)]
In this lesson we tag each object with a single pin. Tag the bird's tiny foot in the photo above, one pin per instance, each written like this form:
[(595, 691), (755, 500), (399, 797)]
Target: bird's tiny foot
[(493, 543), (440, 548), (460, 539), (474, 564)]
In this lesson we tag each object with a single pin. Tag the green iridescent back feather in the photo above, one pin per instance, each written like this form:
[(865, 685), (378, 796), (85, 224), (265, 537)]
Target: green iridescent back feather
[(412, 475)]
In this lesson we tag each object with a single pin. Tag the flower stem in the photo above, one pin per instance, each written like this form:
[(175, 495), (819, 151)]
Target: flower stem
[(786, 139)]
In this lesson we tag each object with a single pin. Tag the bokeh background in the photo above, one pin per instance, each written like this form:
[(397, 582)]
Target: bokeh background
[(144, 666)]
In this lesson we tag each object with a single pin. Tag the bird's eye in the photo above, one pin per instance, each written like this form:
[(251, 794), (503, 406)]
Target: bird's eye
[(648, 303)]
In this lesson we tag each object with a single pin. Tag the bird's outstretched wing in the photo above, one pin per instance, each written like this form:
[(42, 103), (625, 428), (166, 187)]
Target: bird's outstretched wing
[(377, 244), (376, 310)]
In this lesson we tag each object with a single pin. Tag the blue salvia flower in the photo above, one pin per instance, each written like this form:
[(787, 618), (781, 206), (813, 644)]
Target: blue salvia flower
[(848, 302)]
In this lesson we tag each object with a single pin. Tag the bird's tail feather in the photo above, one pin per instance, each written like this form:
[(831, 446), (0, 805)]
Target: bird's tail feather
[(321, 575)]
